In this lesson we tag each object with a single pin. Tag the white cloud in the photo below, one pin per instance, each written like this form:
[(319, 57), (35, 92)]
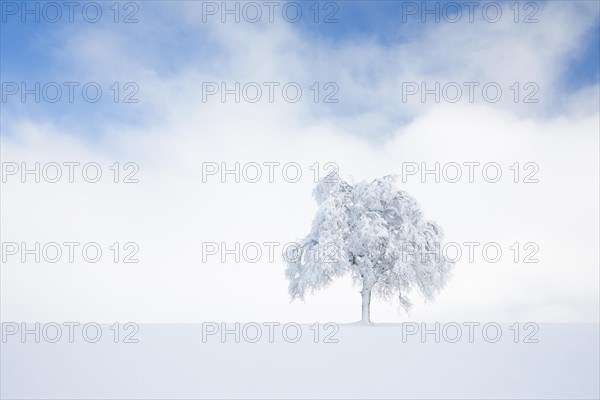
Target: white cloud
[(368, 134)]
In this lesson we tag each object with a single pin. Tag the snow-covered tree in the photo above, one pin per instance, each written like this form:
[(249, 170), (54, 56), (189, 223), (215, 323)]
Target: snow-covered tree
[(377, 234)]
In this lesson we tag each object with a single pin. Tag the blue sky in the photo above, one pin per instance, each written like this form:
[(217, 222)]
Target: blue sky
[(28, 48), (32, 51)]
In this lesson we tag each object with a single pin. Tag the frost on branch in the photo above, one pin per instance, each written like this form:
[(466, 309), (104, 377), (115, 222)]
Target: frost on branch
[(377, 234)]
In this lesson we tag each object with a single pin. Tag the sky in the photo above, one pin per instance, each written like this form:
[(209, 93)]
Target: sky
[(364, 61)]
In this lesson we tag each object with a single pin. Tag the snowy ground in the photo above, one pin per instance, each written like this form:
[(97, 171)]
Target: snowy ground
[(382, 361)]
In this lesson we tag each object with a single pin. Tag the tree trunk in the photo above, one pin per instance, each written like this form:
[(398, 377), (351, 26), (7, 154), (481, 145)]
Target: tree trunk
[(366, 304)]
